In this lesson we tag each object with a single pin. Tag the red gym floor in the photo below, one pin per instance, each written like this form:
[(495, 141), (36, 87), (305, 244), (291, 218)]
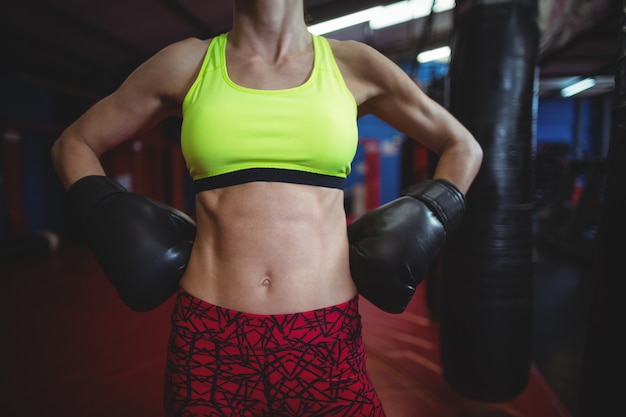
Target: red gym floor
[(71, 349)]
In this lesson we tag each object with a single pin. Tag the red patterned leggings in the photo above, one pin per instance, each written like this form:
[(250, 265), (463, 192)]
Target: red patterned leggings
[(223, 362)]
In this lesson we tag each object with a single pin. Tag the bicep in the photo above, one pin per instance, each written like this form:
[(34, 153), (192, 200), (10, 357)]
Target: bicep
[(402, 104), (392, 96), (407, 108), (108, 123), (117, 118), (151, 93)]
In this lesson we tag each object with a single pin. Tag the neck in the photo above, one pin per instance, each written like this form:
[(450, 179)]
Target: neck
[(275, 21)]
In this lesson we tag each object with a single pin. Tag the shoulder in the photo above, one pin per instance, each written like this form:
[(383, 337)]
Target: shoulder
[(181, 61), (185, 51), (172, 70), (354, 52), (367, 71)]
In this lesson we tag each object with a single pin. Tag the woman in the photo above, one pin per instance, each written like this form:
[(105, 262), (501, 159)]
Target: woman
[(266, 319)]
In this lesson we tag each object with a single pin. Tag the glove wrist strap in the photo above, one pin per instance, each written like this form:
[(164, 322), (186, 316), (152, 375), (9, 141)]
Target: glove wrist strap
[(443, 198), (89, 191)]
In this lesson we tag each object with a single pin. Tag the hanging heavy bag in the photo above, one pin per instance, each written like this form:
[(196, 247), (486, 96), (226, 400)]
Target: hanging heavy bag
[(485, 308)]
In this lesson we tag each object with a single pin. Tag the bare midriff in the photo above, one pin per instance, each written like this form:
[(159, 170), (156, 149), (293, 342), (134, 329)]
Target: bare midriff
[(270, 248)]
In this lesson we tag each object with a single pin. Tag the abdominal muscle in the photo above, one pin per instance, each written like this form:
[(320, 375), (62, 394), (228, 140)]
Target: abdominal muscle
[(270, 248)]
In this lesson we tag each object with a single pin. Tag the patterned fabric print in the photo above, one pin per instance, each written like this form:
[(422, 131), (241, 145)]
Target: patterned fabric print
[(226, 363)]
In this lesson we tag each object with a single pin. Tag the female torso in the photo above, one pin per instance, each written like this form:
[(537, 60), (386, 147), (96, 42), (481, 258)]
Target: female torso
[(270, 247)]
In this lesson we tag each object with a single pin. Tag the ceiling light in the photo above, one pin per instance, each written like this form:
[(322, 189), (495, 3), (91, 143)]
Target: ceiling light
[(344, 21), (400, 12), (383, 16), (405, 11), (578, 87), (438, 54)]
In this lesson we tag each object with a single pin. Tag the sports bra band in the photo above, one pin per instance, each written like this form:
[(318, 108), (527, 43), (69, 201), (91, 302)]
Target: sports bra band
[(271, 175)]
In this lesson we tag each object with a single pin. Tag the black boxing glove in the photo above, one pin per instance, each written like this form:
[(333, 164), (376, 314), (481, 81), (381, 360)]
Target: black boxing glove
[(141, 245), (392, 246)]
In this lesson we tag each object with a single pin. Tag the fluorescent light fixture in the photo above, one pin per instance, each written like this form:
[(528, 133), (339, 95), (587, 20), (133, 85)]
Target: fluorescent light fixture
[(405, 11), (383, 16), (400, 12), (443, 5), (344, 21), (578, 87), (438, 54)]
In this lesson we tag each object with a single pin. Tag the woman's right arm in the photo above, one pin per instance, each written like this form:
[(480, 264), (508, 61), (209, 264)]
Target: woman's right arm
[(115, 223), (152, 92)]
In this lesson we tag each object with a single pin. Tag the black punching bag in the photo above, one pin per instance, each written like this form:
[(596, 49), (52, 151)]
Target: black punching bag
[(601, 382), (488, 263)]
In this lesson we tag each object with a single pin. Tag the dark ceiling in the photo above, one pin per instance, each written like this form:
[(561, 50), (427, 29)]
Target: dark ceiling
[(87, 47)]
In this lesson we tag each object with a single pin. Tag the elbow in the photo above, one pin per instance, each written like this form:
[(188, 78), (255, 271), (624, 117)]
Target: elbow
[(56, 152), (70, 159), (477, 154), (59, 151), (473, 152), (473, 158)]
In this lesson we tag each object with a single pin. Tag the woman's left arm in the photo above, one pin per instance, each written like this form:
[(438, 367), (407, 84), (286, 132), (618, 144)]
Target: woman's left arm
[(383, 89)]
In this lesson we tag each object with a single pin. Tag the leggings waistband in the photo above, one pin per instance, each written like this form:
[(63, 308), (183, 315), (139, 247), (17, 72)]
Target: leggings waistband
[(201, 319)]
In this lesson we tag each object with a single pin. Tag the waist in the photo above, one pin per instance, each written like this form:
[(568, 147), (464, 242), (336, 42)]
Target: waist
[(270, 248)]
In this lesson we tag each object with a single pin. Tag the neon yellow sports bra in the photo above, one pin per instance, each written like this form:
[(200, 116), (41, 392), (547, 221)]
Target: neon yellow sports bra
[(304, 135)]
